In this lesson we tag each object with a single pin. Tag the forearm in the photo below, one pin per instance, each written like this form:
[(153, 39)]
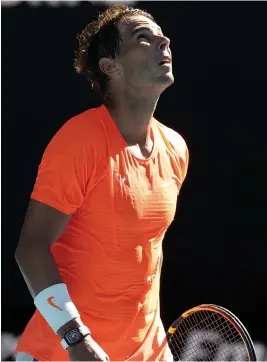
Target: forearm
[(39, 270), (43, 225), (38, 267)]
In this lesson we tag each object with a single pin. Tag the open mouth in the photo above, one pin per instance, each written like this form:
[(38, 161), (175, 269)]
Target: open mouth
[(165, 61)]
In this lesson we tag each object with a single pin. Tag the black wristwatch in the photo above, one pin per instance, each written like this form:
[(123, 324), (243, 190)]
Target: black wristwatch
[(74, 336)]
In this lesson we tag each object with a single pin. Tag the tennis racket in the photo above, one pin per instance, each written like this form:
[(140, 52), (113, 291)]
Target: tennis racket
[(209, 333)]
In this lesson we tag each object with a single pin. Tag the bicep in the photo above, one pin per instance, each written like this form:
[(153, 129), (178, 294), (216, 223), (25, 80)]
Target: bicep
[(43, 224)]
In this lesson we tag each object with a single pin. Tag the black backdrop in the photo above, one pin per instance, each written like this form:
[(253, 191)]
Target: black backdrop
[(215, 251)]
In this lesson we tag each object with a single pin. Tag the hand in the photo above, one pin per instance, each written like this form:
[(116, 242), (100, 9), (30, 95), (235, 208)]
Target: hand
[(87, 350)]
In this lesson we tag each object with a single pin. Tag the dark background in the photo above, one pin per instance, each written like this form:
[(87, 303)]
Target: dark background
[(215, 251)]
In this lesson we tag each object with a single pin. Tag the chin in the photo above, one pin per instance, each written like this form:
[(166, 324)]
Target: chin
[(166, 80)]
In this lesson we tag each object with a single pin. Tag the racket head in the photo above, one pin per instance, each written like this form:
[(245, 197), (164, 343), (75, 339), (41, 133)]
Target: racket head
[(209, 332)]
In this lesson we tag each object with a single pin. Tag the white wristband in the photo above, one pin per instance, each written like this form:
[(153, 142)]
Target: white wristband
[(56, 306)]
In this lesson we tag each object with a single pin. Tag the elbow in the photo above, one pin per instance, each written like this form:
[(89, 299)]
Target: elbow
[(29, 249), (19, 253), (24, 251)]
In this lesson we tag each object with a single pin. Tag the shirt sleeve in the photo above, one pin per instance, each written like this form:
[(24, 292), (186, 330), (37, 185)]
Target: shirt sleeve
[(185, 163), (181, 157), (64, 173)]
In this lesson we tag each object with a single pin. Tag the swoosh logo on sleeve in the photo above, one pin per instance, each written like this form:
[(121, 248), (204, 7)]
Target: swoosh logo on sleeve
[(50, 301)]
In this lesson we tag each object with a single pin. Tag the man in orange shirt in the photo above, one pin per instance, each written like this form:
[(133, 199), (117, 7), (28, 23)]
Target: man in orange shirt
[(90, 249)]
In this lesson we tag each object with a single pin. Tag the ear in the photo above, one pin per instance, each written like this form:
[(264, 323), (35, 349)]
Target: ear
[(108, 66)]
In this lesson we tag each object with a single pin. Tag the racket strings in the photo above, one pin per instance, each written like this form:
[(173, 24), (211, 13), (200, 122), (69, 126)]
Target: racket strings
[(207, 336)]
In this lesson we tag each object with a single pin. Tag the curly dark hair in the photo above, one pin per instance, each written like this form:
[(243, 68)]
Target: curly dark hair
[(99, 39)]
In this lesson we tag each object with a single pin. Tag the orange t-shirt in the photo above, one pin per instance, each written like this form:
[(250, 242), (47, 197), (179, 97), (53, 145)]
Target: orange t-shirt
[(110, 254)]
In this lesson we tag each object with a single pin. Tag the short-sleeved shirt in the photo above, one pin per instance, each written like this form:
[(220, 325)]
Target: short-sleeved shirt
[(110, 254)]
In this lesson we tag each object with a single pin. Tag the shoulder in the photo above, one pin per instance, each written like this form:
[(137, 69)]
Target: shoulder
[(177, 148), (79, 145), (84, 126), (84, 130), (174, 140)]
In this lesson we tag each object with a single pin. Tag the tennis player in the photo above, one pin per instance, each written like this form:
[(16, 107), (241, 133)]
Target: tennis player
[(90, 249)]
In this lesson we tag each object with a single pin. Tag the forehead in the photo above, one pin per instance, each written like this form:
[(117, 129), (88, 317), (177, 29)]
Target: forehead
[(129, 25)]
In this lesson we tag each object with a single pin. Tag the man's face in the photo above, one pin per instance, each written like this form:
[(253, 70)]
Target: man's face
[(145, 55)]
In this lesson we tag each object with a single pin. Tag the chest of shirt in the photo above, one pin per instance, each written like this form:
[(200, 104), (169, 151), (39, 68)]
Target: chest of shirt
[(135, 193)]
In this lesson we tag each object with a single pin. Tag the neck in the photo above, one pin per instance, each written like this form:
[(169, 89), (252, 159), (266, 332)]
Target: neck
[(133, 113)]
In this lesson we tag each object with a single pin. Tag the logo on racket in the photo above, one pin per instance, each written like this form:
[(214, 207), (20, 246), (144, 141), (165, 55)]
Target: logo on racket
[(50, 301)]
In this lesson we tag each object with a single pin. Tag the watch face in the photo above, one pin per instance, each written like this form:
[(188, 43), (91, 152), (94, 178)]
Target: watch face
[(73, 336)]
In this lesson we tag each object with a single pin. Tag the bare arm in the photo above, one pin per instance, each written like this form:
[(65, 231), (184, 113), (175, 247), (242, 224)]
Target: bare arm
[(42, 227)]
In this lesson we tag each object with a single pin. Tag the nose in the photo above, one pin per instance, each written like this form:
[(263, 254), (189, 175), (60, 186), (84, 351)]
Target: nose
[(164, 43)]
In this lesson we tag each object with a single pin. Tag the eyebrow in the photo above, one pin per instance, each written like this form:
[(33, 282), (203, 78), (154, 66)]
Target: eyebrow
[(140, 28)]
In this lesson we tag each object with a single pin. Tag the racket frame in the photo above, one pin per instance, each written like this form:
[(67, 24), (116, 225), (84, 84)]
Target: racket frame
[(227, 315)]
